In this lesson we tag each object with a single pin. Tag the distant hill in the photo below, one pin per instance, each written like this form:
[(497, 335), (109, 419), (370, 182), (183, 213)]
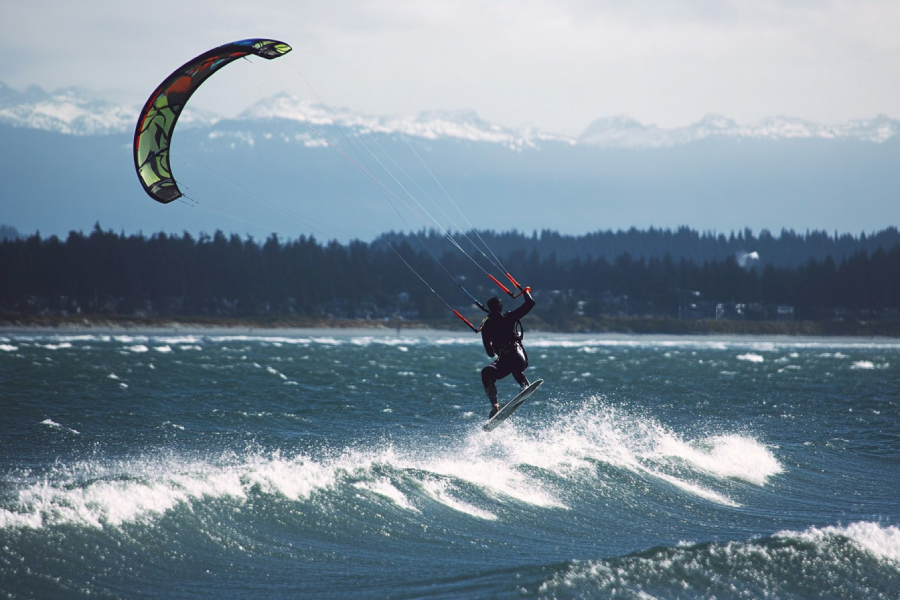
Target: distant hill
[(65, 163)]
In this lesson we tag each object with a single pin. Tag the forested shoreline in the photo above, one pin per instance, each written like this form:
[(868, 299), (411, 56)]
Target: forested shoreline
[(220, 276), (787, 249)]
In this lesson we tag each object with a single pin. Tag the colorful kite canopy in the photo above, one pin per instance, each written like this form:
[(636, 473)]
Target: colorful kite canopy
[(156, 122)]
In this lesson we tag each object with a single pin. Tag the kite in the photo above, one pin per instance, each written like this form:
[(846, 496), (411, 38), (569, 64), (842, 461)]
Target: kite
[(153, 133)]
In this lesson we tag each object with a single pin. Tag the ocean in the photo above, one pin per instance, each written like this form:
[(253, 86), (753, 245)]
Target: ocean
[(351, 464)]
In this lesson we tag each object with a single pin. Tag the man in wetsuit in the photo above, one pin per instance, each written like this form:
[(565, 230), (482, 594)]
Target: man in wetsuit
[(503, 340)]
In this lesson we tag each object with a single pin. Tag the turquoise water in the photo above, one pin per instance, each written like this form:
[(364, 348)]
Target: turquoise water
[(353, 465)]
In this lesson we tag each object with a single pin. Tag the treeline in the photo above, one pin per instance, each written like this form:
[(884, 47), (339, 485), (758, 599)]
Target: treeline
[(787, 249), (228, 276)]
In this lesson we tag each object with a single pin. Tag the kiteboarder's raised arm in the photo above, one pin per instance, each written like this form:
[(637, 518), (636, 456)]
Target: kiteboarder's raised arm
[(526, 306)]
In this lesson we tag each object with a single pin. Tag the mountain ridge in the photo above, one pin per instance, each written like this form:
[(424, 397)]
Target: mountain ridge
[(625, 132), (73, 111)]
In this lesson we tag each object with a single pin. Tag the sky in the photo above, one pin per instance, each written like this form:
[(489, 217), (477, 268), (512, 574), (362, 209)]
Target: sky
[(552, 64)]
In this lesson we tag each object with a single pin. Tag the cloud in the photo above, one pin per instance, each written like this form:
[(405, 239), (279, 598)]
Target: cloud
[(558, 64)]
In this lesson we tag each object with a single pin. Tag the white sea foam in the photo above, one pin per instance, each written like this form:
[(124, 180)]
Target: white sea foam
[(97, 494), (750, 357), (295, 478), (301, 341), (504, 465), (732, 456), (453, 340), (880, 541), (863, 364), (56, 425), (437, 489), (571, 447), (472, 460), (476, 461), (137, 348), (389, 341), (692, 488), (176, 340), (8, 348), (276, 372), (165, 348), (383, 487)]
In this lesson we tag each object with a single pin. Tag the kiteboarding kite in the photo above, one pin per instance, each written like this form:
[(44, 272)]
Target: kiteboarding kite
[(155, 124)]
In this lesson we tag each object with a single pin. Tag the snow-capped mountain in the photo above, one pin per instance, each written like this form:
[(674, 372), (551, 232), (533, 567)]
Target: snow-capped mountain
[(72, 111), (67, 111), (625, 132), (431, 125)]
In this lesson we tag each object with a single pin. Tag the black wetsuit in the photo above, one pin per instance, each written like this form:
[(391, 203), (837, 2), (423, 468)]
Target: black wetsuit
[(501, 341)]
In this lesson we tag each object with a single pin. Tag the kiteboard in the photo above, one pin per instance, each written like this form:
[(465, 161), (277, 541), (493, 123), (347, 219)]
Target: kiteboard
[(511, 406)]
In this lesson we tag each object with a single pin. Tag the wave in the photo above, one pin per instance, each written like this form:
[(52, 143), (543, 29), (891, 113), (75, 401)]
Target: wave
[(600, 433), (861, 560), (98, 494), (557, 464)]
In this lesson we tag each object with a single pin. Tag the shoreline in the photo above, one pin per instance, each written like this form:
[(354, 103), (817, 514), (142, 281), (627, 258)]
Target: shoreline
[(626, 326)]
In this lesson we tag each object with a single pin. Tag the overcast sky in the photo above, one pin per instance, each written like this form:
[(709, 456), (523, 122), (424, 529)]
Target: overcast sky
[(554, 64)]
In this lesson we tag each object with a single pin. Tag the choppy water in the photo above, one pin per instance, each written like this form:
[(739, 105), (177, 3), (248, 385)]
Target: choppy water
[(352, 465)]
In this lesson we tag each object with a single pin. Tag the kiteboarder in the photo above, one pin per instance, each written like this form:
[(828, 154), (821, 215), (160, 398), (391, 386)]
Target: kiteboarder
[(501, 334)]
